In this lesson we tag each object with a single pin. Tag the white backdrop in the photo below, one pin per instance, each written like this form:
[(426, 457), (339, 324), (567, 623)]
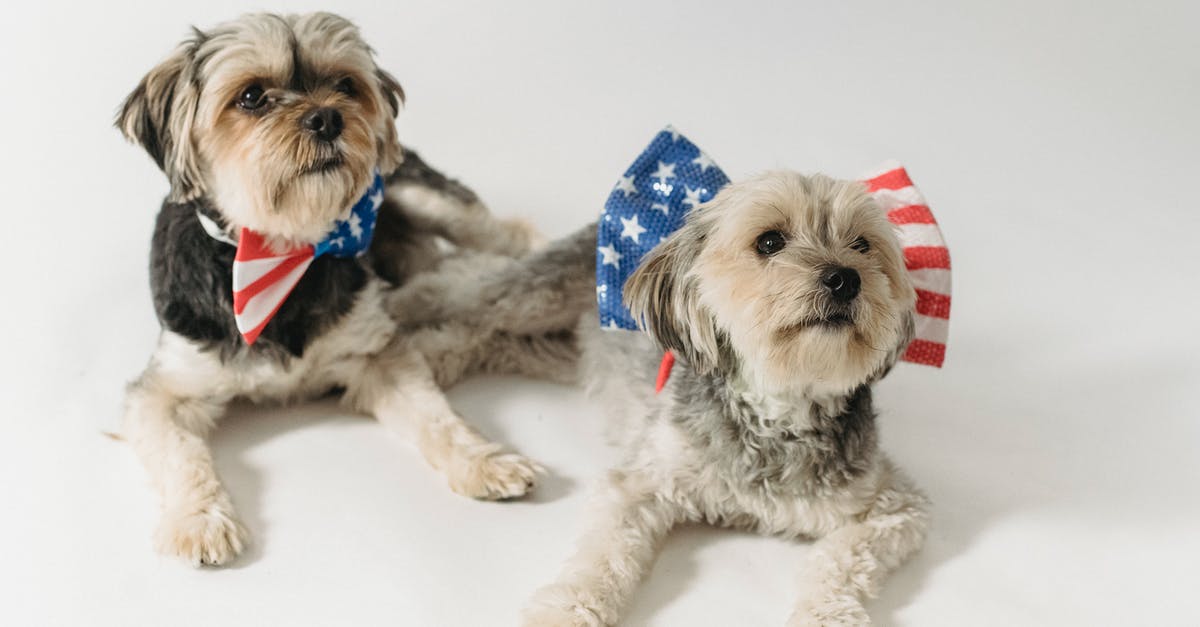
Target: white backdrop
[(1058, 143)]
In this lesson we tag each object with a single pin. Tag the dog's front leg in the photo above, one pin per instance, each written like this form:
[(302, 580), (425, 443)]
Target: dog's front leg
[(400, 390), (611, 559), (167, 430), (849, 564)]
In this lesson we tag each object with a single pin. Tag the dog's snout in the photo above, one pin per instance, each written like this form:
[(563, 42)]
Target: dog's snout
[(843, 283), (325, 123)]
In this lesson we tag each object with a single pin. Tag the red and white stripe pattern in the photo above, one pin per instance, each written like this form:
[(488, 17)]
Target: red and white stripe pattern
[(925, 254), (262, 280)]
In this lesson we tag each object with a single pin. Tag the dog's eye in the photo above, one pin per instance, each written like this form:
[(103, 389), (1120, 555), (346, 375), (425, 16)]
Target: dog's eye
[(861, 245), (345, 86), (770, 243), (252, 98)]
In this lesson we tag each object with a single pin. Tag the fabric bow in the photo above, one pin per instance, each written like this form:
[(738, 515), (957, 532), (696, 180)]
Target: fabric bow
[(672, 176), (263, 277)]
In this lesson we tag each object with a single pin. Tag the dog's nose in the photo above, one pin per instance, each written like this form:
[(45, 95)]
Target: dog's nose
[(843, 283), (325, 123)]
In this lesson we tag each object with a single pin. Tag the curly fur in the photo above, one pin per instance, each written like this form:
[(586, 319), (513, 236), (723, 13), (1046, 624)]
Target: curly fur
[(767, 421), (253, 169)]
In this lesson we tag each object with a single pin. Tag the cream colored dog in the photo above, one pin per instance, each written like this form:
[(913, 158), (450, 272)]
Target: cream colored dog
[(784, 298)]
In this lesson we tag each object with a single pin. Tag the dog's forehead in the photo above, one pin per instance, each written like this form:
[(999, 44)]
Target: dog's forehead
[(810, 205), (329, 43), (294, 51)]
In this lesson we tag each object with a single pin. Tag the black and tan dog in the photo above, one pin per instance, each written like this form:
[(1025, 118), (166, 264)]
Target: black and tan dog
[(278, 124)]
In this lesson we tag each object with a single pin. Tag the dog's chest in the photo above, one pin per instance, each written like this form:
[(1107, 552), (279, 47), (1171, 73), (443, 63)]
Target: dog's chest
[(191, 277), (752, 459), (338, 355), (790, 488), (342, 353)]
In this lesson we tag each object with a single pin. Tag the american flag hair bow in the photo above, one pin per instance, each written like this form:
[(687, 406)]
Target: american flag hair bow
[(672, 176), (667, 180), (263, 277), (925, 255)]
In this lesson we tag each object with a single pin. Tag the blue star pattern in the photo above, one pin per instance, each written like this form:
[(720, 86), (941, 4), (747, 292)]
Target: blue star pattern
[(352, 236), (648, 203)]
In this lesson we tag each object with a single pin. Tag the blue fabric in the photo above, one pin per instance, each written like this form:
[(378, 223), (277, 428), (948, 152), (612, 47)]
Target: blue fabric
[(649, 202), (352, 236)]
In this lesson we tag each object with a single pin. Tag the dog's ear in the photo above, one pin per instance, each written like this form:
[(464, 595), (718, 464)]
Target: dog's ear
[(391, 90), (664, 297), (158, 115), (904, 337), (390, 153)]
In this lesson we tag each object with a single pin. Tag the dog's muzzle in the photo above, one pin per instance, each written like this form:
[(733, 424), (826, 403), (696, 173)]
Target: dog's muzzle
[(843, 284)]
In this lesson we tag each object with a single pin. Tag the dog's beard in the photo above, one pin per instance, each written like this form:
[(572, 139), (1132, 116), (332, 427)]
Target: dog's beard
[(787, 331), (829, 348), (272, 177)]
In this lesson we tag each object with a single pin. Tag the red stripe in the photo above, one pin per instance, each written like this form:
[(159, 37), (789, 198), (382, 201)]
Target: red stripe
[(253, 334), (925, 352), (664, 371), (912, 214), (252, 246), (895, 179), (919, 257), (933, 304), (242, 297)]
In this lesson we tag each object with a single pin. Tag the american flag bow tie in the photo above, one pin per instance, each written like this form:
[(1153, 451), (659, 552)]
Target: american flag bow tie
[(672, 176), (263, 278)]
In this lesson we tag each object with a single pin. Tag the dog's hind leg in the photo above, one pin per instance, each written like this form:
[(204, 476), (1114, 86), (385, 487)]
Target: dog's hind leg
[(550, 357), (543, 292), (850, 563), (433, 202), (166, 424), (400, 389), (613, 556)]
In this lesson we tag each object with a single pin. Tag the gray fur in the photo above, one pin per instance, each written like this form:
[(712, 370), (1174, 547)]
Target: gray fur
[(785, 461), (717, 445), (544, 292), (417, 172)]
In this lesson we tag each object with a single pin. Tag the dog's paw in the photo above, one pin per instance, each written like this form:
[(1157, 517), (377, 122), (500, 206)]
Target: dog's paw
[(840, 611), (524, 235), (494, 476), (544, 616), (208, 536), (556, 606)]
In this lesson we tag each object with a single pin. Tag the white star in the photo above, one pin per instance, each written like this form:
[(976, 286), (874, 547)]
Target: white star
[(355, 226), (693, 196), (674, 133), (377, 198), (611, 256), (626, 185), (601, 290), (665, 171), (612, 325), (337, 242), (661, 207), (704, 161), (631, 229)]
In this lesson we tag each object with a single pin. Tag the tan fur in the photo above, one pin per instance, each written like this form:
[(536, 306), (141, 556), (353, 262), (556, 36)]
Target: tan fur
[(764, 304), (755, 428), (253, 166)]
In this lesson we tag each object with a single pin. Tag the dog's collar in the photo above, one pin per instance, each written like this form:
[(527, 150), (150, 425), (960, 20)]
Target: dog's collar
[(213, 229), (263, 277)]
